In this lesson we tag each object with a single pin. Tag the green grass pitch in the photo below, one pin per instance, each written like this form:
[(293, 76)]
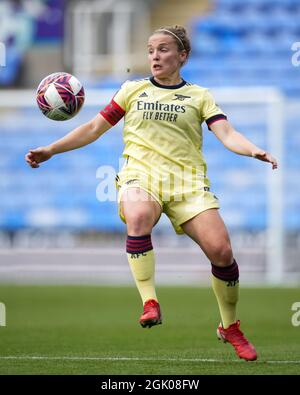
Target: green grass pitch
[(95, 330)]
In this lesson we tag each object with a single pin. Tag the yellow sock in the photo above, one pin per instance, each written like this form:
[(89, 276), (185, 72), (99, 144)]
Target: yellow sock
[(226, 291), (142, 265)]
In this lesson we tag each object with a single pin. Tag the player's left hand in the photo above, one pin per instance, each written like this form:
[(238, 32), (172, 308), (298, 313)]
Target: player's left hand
[(265, 157)]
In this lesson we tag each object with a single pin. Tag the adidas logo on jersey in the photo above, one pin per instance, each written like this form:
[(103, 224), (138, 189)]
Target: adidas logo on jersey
[(144, 94)]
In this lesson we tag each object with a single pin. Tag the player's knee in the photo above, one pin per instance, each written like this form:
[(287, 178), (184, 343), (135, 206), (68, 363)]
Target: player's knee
[(139, 223), (223, 255)]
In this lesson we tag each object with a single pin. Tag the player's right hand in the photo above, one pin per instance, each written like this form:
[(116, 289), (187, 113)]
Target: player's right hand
[(38, 155)]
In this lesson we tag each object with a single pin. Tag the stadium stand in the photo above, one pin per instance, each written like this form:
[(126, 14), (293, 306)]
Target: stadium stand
[(246, 43), (23, 25), (62, 194), (16, 33)]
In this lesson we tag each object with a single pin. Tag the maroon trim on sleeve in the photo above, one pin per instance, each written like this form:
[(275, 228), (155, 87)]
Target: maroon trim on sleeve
[(112, 112), (215, 118)]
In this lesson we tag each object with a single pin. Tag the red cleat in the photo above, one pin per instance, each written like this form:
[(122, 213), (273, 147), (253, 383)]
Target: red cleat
[(151, 315), (235, 336)]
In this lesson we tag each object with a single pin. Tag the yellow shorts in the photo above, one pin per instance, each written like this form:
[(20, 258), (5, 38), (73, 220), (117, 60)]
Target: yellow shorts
[(179, 203)]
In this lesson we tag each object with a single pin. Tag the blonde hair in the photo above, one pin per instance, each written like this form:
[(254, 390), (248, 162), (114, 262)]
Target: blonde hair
[(180, 34)]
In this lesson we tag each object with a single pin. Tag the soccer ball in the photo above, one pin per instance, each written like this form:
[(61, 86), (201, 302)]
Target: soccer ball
[(60, 96)]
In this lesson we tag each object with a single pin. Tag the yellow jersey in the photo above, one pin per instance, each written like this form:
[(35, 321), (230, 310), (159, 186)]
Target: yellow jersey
[(162, 124), (163, 145)]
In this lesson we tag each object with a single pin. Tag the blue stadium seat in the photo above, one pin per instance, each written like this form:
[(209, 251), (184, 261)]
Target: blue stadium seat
[(239, 44), (9, 73), (242, 30)]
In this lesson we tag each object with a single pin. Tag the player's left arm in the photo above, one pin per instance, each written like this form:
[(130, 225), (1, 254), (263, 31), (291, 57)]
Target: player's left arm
[(236, 142)]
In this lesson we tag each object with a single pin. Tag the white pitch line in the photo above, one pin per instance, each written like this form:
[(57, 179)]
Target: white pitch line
[(64, 358)]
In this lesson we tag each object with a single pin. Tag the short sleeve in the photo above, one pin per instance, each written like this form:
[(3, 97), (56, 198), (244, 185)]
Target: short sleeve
[(116, 109), (210, 111), (121, 96)]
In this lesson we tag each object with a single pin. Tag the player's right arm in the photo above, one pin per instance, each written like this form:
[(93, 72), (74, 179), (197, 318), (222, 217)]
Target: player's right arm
[(84, 134), (79, 137)]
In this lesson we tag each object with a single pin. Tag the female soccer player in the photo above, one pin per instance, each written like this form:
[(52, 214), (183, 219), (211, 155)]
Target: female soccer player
[(166, 172)]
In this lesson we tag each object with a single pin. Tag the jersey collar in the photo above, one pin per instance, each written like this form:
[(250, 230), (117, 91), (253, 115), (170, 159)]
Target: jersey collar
[(152, 80)]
